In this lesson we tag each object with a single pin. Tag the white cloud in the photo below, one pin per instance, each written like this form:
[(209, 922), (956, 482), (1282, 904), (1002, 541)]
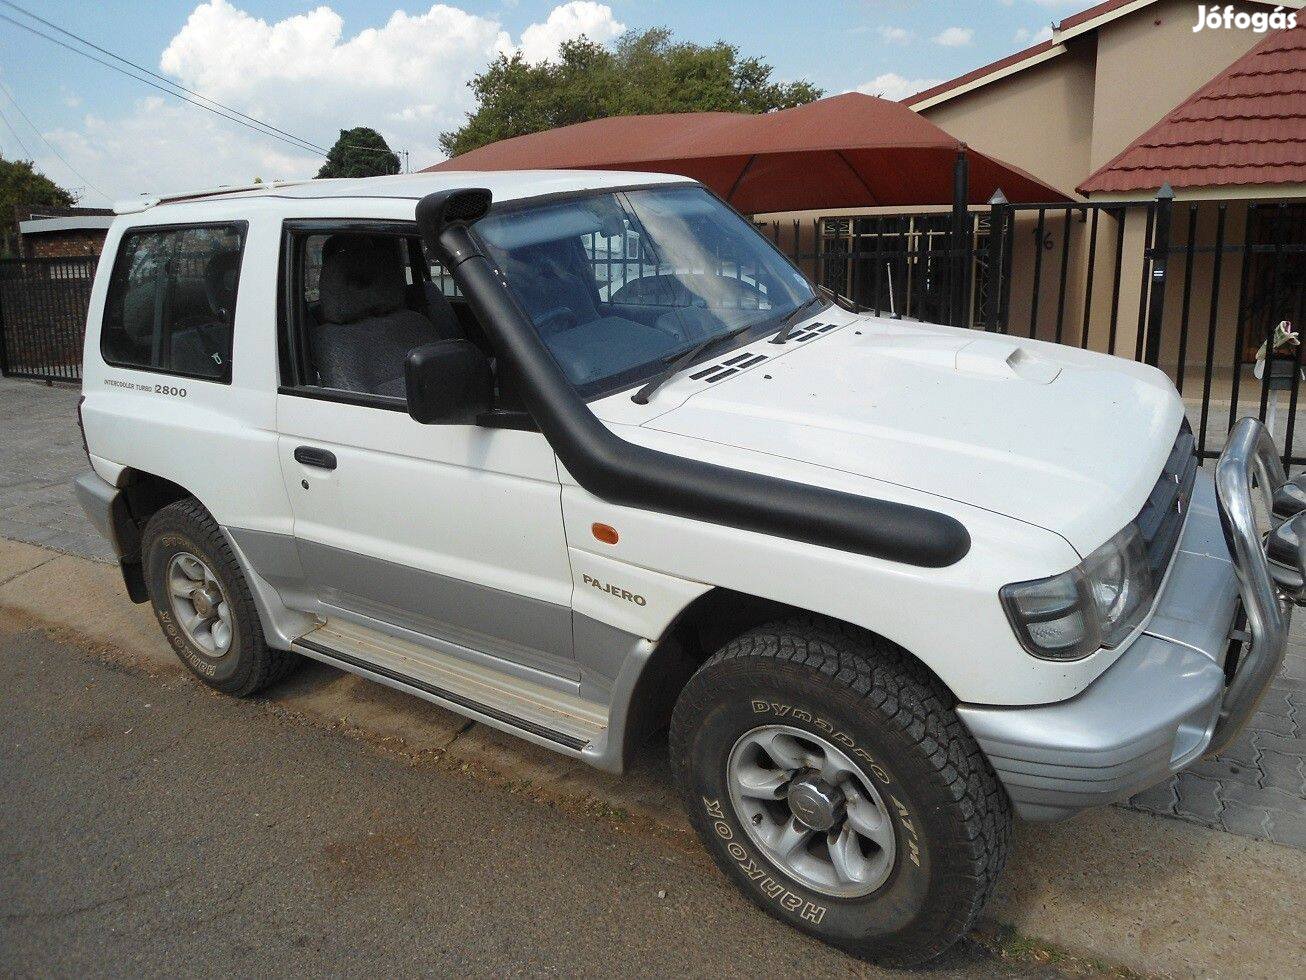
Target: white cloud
[(954, 37), (164, 145), (406, 78), (540, 42), (895, 87), (1026, 36), (896, 35)]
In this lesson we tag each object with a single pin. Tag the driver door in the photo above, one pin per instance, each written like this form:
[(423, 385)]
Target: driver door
[(452, 532)]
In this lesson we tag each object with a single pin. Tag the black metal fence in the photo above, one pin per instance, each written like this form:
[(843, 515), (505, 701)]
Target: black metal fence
[(1193, 288), (43, 305)]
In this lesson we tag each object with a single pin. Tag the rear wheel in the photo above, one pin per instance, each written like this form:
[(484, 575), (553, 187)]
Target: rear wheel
[(830, 779), (203, 604)]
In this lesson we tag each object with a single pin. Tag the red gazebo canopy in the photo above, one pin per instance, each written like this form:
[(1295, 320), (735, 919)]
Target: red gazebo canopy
[(846, 151)]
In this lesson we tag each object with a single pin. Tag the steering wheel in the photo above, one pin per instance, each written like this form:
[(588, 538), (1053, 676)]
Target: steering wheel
[(563, 316)]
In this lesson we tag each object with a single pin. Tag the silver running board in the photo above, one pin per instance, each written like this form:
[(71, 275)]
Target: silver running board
[(502, 700)]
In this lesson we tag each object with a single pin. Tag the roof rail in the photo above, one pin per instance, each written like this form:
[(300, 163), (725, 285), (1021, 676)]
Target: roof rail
[(134, 205)]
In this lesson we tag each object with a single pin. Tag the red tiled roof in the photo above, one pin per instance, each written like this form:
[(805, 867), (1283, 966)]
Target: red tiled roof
[(1245, 126)]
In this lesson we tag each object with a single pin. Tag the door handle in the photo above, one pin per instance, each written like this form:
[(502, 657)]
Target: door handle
[(312, 456)]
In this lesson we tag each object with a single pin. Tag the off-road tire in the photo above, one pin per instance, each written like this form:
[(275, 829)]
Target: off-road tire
[(250, 665), (952, 818)]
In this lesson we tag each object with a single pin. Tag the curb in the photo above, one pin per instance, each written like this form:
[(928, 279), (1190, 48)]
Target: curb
[(1153, 895)]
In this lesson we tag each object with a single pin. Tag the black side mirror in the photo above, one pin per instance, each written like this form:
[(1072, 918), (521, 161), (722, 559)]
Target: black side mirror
[(448, 382)]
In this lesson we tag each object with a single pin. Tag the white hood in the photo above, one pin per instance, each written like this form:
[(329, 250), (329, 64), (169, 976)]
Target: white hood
[(1067, 440)]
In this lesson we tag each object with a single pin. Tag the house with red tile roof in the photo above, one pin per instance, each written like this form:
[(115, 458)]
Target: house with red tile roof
[(1067, 107), (1121, 99)]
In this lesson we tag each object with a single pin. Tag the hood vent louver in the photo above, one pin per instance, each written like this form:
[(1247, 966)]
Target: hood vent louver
[(803, 334), (731, 365)]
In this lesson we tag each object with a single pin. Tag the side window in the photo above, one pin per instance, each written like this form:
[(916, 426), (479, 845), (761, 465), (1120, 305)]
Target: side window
[(362, 301), (172, 300)]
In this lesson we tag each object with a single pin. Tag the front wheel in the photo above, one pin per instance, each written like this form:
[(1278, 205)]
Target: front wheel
[(831, 780)]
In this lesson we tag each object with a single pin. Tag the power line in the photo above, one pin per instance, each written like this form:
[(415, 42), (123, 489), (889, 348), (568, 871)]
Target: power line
[(153, 74), (16, 136), (293, 141), (214, 106), (41, 136)]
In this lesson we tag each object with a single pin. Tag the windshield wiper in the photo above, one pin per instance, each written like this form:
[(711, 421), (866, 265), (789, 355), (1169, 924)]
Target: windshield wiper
[(677, 361), (793, 318)]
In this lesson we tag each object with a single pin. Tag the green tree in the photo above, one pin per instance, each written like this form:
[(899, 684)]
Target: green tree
[(643, 72), (23, 187), (359, 152)]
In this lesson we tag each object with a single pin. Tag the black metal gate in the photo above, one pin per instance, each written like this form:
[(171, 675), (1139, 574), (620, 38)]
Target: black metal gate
[(43, 304)]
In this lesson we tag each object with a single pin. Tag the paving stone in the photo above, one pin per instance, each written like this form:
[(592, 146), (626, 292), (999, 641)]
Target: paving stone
[(1265, 797), (1277, 703), (1271, 741), (1283, 772), (1156, 799), (1246, 821), (1242, 751), (1199, 798), (1287, 828), (1274, 724), (1222, 769)]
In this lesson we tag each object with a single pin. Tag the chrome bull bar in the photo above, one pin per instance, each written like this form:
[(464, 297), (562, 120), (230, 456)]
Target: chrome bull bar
[(1250, 461)]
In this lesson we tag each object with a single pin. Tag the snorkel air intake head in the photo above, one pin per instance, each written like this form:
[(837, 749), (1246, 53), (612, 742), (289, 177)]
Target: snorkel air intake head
[(443, 218)]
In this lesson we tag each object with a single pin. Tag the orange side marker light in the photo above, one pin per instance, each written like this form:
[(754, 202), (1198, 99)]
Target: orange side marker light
[(605, 532)]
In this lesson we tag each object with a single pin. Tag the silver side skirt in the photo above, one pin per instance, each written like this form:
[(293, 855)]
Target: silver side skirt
[(548, 717)]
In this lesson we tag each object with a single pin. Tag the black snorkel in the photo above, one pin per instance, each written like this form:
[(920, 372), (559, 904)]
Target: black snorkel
[(629, 475)]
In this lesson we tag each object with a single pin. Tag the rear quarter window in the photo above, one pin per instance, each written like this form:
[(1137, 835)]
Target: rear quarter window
[(172, 299)]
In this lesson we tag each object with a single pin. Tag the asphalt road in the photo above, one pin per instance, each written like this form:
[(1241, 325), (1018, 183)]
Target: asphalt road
[(148, 827)]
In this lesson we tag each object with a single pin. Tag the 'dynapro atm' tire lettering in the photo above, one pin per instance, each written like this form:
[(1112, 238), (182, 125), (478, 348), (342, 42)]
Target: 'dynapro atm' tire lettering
[(840, 738)]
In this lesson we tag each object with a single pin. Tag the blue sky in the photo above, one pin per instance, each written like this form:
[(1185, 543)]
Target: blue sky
[(311, 69)]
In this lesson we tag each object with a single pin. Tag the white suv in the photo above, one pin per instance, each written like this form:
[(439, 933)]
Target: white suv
[(581, 456)]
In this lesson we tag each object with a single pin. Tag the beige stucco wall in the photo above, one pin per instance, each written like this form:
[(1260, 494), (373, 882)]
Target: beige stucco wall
[(1150, 62), (1040, 119)]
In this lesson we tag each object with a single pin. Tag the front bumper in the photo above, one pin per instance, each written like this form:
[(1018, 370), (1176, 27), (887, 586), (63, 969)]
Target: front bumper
[(1169, 698)]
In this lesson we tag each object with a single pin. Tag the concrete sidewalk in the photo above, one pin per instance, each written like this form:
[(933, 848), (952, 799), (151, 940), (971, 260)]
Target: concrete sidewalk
[(1155, 895)]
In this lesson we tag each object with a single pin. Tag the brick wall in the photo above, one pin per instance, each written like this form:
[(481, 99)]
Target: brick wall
[(61, 244)]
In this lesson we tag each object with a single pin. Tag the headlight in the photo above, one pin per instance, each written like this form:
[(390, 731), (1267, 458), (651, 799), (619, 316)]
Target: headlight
[(1096, 604)]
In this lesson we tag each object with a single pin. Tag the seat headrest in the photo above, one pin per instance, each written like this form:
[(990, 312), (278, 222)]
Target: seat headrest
[(362, 276)]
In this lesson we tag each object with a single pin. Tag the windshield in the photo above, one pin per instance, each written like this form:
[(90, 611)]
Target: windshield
[(619, 283)]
